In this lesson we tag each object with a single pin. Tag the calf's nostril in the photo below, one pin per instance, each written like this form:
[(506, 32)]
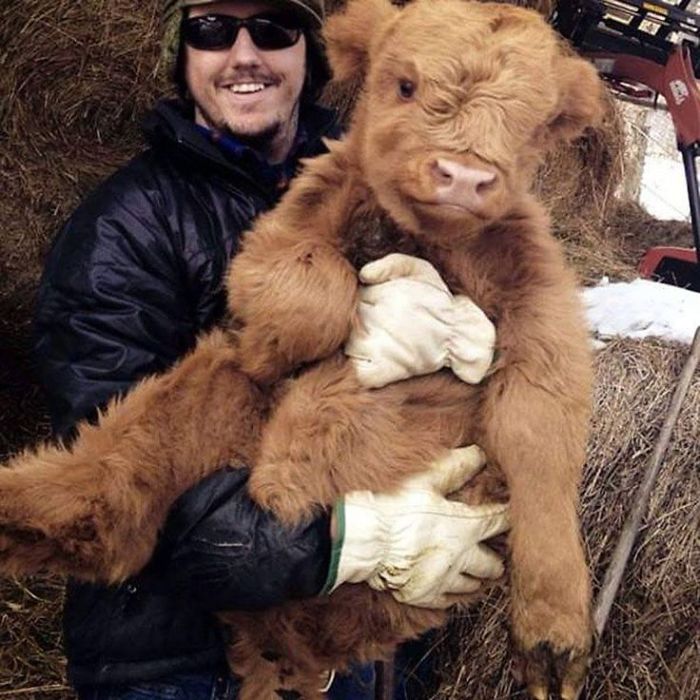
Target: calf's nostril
[(441, 175), (485, 185)]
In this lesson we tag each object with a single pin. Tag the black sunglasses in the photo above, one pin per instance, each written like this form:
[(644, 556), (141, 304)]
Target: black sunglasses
[(219, 32)]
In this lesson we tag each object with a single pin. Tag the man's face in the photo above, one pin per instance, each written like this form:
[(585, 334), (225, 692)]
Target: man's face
[(225, 84)]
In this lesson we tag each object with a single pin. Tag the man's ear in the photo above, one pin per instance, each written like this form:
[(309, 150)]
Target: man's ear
[(581, 98), (348, 35)]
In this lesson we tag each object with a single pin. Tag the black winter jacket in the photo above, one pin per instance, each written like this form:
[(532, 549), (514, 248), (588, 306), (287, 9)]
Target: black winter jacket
[(130, 281)]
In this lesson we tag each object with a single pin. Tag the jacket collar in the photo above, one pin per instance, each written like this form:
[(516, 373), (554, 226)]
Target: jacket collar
[(170, 125)]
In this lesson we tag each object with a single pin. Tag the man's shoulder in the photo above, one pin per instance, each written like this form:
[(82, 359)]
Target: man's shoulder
[(120, 218), (149, 188), (144, 174), (137, 181), (152, 209)]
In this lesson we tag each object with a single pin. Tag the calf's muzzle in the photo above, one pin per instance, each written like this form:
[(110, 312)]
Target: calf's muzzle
[(465, 186)]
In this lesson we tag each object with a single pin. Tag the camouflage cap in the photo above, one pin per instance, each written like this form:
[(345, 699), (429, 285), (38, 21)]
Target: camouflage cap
[(311, 11)]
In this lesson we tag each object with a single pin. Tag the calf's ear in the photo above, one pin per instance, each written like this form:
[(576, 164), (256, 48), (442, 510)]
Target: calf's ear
[(581, 98), (349, 34)]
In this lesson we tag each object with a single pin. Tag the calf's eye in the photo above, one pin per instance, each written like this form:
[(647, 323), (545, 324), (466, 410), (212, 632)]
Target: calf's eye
[(407, 88)]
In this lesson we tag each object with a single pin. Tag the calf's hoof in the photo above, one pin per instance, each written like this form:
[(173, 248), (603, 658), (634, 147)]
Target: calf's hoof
[(551, 674)]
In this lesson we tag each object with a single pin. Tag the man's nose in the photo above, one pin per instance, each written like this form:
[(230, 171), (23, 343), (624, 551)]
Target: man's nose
[(244, 51)]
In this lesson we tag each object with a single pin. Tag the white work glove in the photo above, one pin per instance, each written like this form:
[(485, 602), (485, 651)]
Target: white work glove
[(410, 324), (415, 543)]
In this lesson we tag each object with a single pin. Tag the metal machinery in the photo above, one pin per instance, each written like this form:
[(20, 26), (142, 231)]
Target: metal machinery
[(646, 49)]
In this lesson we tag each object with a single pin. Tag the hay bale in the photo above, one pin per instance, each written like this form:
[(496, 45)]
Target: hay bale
[(32, 666), (577, 184), (75, 78), (70, 115), (650, 648)]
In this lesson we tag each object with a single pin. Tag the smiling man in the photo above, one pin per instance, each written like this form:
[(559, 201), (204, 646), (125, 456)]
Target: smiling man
[(132, 279), (256, 97)]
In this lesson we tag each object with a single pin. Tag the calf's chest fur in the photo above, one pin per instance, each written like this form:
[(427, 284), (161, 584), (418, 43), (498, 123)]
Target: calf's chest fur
[(370, 234)]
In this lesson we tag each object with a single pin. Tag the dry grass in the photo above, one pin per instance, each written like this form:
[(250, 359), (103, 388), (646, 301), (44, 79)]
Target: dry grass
[(31, 662), (651, 647), (76, 79), (73, 82)]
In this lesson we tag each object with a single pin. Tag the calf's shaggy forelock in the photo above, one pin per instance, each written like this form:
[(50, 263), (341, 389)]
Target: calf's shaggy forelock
[(460, 102)]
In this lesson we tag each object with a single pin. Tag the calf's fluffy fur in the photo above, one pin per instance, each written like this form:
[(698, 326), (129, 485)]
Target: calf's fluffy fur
[(482, 87)]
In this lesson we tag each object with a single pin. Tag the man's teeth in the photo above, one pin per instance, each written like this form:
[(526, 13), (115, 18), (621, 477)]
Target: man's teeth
[(247, 87)]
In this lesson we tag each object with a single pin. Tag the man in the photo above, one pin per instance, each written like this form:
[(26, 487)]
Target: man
[(132, 279)]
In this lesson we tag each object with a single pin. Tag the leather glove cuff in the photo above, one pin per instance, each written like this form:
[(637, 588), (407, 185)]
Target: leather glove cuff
[(356, 552)]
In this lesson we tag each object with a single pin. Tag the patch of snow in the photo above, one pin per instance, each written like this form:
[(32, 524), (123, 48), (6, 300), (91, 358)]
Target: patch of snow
[(664, 192), (642, 309)]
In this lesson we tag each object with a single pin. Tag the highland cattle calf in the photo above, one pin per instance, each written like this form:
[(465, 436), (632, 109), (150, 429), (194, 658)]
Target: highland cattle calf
[(460, 102)]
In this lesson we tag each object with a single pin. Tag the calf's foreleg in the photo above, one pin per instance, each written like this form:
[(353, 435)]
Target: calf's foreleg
[(328, 435), (290, 289), (535, 428)]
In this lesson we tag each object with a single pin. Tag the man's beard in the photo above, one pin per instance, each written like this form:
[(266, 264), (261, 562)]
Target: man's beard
[(271, 140), (260, 141), (268, 140)]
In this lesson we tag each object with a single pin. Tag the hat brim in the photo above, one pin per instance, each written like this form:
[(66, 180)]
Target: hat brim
[(315, 18)]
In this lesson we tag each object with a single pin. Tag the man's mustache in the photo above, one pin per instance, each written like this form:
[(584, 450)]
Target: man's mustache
[(249, 77)]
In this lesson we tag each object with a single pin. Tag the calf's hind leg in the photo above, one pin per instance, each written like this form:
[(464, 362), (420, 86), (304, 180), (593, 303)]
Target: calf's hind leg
[(93, 510)]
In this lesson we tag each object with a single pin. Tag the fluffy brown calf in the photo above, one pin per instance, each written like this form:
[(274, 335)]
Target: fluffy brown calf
[(460, 102)]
